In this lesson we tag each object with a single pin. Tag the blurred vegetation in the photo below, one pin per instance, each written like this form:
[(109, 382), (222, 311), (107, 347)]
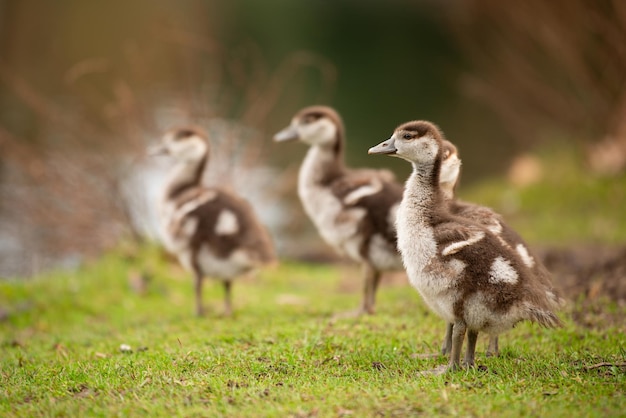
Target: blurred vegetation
[(84, 86), (567, 206), (392, 61), (546, 69)]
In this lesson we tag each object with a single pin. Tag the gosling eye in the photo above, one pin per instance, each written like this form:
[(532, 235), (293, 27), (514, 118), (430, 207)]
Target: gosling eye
[(407, 136), (311, 118)]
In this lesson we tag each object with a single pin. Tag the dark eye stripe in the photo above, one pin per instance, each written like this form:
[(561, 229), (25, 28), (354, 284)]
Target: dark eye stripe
[(183, 134), (312, 117)]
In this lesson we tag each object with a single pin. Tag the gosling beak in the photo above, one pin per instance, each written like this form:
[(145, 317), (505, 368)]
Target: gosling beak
[(385, 147), (288, 134), (156, 150)]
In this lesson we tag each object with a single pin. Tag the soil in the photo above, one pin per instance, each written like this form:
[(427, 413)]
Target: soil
[(589, 272), (593, 281)]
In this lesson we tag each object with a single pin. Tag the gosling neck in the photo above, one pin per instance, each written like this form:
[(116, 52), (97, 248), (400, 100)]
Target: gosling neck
[(422, 188), (324, 163), (184, 176)]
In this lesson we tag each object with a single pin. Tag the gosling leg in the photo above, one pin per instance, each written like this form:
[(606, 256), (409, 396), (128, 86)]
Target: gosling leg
[(492, 349), (446, 347), (198, 289), (228, 304), (372, 280), (470, 352), (458, 334)]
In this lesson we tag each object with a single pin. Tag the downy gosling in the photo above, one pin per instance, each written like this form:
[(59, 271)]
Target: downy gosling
[(212, 231), (464, 272), (353, 210), (449, 179)]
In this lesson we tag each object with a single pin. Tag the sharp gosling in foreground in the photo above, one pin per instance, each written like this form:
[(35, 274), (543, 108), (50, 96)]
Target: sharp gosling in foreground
[(491, 220), (212, 231), (464, 272), (353, 210)]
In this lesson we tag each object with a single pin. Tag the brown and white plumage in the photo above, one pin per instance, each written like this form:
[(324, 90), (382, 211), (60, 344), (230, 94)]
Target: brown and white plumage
[(212, 231), (353, 210), (464, 272), (449, 179)]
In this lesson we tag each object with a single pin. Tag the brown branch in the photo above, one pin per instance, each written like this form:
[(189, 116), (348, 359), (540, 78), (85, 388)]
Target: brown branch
[(605, 364), (288, 69), (43, 107), (540, 65)]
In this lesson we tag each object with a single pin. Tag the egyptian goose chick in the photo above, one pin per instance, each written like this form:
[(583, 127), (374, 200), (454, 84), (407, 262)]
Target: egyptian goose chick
[(353, 210), (211, 231), (463, 271), (449, 178)]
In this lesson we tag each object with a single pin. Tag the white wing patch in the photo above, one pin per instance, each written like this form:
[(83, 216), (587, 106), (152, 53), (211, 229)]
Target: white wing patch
[(455, 247), (526, 258), (190, 206), (227, 223), (502, 272), (495, 227), (366, 190), (188, 227)]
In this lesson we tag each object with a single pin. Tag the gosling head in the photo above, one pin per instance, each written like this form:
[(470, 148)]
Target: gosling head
[(314, 125), (185, 145), (418, 142), (450, 169)]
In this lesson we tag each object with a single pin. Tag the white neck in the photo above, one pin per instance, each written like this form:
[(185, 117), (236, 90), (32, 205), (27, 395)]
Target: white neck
[(416, 240), (419, 190), (319, 163), (447, 190)]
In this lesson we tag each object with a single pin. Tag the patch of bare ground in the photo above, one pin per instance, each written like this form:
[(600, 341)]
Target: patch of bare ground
[(594, 278)]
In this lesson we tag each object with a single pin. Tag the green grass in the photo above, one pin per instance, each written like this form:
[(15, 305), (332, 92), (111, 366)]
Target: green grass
[(568, 206), (281, 355)]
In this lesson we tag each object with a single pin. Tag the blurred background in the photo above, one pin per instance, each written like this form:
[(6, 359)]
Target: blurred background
[(86, 86)]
